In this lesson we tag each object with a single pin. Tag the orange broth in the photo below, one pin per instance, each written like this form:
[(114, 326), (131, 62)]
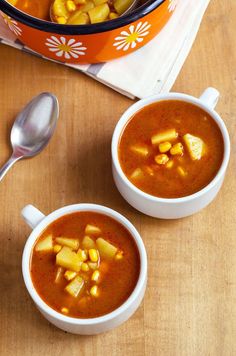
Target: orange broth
[(36, 8), (157, 179), (118, 277)]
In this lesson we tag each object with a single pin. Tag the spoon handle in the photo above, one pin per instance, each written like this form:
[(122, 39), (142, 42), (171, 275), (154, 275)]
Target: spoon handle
[(8, 165)]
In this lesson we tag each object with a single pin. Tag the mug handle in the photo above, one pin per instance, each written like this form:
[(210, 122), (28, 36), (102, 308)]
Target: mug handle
[(210, 97), (32, 215)]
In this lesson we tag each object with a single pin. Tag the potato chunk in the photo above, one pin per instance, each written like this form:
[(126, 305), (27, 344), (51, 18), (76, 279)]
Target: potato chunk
[(68, 259), (75, 286), (140, 150), (105, 248), (164, 136), (92, 230), (45, 244), (65, 241), (137, 173), (88, 243), (195, 146)]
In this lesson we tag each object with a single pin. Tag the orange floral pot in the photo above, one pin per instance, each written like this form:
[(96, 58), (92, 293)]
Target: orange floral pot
[(80, 44)]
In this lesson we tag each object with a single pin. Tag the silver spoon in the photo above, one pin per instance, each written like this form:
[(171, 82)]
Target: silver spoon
[(33, 128)]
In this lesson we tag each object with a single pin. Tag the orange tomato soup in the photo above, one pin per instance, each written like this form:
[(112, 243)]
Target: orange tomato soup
[(85, 265), (171, 149)]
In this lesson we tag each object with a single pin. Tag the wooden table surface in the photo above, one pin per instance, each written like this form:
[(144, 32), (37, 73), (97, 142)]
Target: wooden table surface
[(190, 303)]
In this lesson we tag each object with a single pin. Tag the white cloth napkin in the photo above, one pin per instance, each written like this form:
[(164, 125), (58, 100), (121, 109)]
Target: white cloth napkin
[(153, 68)]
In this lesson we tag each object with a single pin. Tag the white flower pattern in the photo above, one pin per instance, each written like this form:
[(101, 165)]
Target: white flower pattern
[(12, 24), (172, 5), (61, 47), (131, 37)]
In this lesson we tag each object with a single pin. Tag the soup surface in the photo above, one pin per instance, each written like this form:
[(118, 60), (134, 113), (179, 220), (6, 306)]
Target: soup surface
[(85, 265), (171, 149), (73, 12)]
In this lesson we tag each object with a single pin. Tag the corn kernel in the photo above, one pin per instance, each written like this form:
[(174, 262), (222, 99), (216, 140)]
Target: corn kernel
[(57, 248), (65, 310), (95, 276), (177, 149), (119, 255), (93, 255), (94, 291), (69, 275), (165, 147), (80, 2), (161, 159), (61, 20), (84, 267), (83, 256), (181, 171), (70, 5), (169, 164)]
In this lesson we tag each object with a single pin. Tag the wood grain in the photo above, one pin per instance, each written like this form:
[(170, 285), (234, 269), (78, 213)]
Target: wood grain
[(190, 304)]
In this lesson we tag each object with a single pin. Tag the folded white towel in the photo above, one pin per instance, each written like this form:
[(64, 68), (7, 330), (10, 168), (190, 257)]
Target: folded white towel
[(153, 68)]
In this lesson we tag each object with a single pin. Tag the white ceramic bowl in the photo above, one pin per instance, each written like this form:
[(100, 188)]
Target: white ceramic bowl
[(178, 207), (36, 220)]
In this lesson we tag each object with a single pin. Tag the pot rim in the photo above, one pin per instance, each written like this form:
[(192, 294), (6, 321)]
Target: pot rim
[(47, 26)]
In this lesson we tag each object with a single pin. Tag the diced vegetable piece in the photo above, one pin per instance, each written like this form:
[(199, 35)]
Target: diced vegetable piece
[(45, 244), (12, 2), (99, 2), (95, 276), (80, 2), (65, 241), (68, 259), (113, 16), (93, 265), (195, 146), (69, 275), (75, 286), (182, 172), (88, 243), (167, 135), (141, 150), (85, 267), (59, 9), (93, 255), (70, 5), (170, 164), (65, 310), (61, 20), (94, 291), (99, 13), (177, 149), (83, 255), (161, 159), (59, 274), (122, 5), (92, 230), (78, 18), (105, 248), (164, 147), (138, 173), (57, 248), (88, 6)]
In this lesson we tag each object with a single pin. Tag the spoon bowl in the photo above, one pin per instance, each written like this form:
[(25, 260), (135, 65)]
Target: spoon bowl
[(33, 128)]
